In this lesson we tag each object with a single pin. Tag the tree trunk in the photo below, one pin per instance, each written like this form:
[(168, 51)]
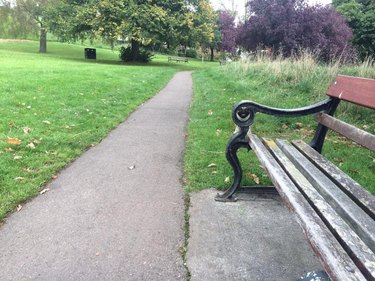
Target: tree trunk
[(212, 54), (43, 40), (135, 49)]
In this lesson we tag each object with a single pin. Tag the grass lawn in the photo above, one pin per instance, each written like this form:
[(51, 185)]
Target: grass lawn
[(56, 105), (282, 84)]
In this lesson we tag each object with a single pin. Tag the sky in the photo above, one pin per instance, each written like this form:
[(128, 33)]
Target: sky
[(239, 5)]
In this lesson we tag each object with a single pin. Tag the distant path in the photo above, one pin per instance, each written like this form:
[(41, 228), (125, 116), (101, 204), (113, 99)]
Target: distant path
[(116, 213), (14, 40)]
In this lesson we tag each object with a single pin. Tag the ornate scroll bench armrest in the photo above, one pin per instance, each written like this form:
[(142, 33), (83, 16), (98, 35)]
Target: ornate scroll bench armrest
[(243, 116)]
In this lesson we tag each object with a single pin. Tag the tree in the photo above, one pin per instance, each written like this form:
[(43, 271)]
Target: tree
[(36, 10), (360, 15), (15, 23), (6, 18), (228, 32), (215, 43), (288, 26), (141, 22), (146, 22), (203, 31)]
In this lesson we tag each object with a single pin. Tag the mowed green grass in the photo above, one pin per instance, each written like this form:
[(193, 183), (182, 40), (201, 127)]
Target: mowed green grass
[(282, 84), (56, 105)]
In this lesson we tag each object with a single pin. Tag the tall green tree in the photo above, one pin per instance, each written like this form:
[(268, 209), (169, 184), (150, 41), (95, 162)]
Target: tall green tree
[(360, 15), (205, 24), (140, 22), (36, 10), (15, 23), (6, 18)]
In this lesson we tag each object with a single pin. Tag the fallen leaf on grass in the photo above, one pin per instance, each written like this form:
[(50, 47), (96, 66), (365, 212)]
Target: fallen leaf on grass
[(19, 207), (46, 122), (26, 130), (9, 149), (31, 145), (210, 112), (211, 165), (19, 178), (29, 170), (14, 141), (214, 172), (44, 191), (227, 180), (254, 177), (307, 131), (284, 126), (17, 157), (299, 125)]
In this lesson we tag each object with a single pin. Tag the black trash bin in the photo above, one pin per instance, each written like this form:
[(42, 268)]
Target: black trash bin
[(90, 53)]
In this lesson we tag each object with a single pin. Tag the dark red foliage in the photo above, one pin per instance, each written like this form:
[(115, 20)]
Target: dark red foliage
[(228, 32), (289, 26)]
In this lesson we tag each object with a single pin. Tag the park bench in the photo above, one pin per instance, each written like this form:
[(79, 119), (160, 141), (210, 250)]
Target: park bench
[(337, 214), (178, 59)]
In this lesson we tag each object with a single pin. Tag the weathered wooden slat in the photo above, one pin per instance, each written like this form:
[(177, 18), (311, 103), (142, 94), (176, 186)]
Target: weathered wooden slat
[(360, 221), (357, 90), (351, 132), (351, 242), (336, 262), (353, 189)]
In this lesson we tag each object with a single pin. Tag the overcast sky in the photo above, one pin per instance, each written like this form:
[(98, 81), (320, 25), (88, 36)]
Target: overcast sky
[(239, 5)]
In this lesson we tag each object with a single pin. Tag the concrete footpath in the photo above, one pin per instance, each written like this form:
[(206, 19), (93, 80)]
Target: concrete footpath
[(117, 212)]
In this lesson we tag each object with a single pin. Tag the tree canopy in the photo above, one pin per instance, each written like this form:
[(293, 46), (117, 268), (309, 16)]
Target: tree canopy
[(360, 15), (228, 32), (37, 10), (141, 22), (15, 22), (287, 26)]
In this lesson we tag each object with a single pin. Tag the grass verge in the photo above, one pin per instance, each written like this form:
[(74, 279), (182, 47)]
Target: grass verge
[(280, 83)]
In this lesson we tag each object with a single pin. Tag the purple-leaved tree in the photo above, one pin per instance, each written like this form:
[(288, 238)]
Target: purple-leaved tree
[(228, 32), (289, 26)]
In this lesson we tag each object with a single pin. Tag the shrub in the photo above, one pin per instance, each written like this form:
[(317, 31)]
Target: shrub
[(191, 53), (126, 55), (180, 53)]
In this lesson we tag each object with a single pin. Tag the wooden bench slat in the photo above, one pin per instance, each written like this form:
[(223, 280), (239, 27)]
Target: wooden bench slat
[(337, 263), (351, 132), (353, 189), (360, 253), (357, 90), (360, 221)]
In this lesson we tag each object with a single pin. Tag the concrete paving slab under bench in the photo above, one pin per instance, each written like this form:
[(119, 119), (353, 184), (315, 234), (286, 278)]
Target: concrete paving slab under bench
[(253, 239)]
